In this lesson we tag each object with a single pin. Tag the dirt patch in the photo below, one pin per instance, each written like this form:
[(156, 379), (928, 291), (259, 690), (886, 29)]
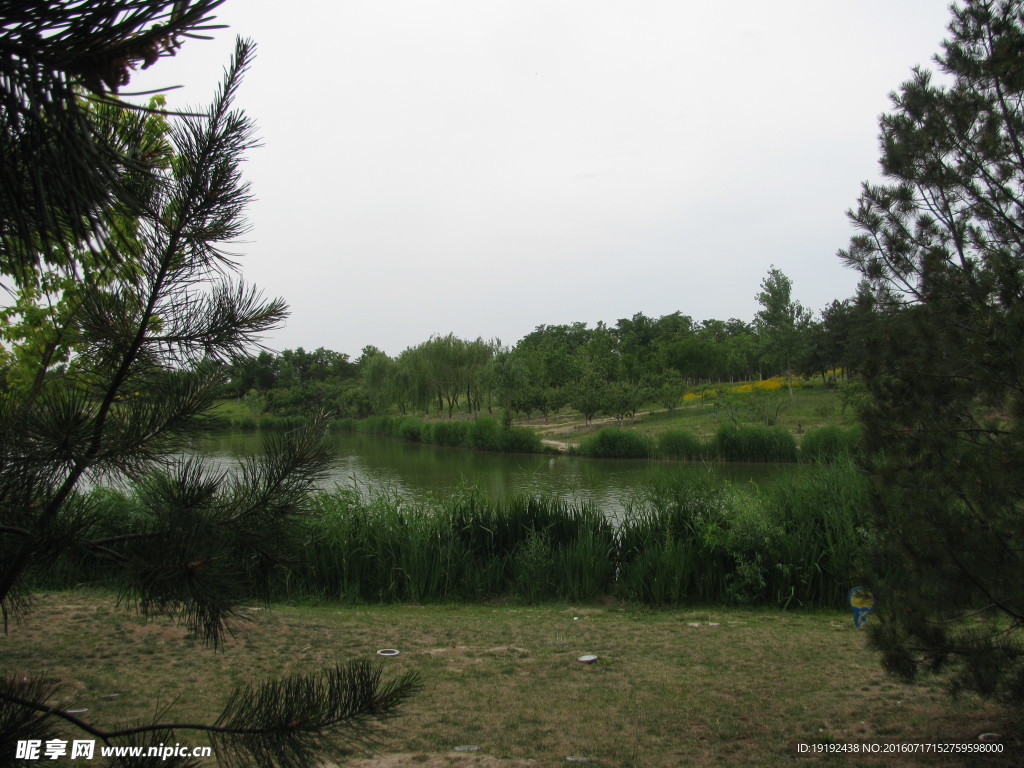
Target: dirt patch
[(561, 447), (462, 650)]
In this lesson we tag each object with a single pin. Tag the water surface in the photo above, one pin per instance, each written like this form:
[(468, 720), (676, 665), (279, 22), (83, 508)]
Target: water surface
[(419, 471)]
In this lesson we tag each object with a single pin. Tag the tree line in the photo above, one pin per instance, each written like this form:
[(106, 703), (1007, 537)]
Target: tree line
[(601, 369)]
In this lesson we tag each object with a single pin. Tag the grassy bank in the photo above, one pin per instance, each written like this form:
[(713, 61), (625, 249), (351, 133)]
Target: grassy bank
[(758, 421), (710, 687), (684, 540), (750, 443)]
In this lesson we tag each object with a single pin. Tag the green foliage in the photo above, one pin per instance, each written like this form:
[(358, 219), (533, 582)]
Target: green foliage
[(798, 542), (753, 443), (782, 322), (669, 544), (297, 727), (520, 440), (940, 247), (453, 433), (616, 443), (830, 443), (64, 172), (483, 433), (680, 444), (121, 372)]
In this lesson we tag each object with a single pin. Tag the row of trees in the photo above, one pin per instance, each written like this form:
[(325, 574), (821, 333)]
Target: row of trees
[(611, 369)]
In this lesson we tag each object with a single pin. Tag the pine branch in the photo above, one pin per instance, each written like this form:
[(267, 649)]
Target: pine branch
[(287, 723)]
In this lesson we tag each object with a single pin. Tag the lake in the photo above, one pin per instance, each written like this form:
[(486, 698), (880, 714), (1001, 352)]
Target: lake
[(419, 471)]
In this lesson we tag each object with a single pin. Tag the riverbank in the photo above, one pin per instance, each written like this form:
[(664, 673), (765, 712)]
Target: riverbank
[(730, 442), (759, 421), (698, 687), (683, 539)]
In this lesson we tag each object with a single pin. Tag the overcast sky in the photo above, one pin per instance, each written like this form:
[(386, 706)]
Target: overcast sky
[(484, 167)]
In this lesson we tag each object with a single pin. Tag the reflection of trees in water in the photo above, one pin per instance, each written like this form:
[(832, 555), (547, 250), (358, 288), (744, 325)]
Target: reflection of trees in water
[(419, 472)]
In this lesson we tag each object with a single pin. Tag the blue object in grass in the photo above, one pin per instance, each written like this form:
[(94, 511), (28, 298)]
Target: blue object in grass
[(862, 602)]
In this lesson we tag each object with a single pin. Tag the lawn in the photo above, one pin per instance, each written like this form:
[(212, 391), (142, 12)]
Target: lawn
[(700, 687)]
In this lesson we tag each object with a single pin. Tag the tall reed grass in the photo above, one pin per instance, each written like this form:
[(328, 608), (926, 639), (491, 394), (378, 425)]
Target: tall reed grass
[(730, 443), (617, 443), (754, 443), (830, 443), (793, 542), (482, 434)]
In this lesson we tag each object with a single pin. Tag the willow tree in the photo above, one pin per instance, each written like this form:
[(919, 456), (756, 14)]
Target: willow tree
[(123, 305), (941, 249)]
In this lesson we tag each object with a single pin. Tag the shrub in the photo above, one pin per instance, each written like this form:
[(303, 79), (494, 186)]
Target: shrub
[(450, 432), (754, 443), (484, 434), (377, 425), (680, 444), (520, 440), (615, 443), (411, 429), (829, 443)]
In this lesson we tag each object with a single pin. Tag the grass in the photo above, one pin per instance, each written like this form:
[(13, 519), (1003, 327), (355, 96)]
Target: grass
[(810, 406), (701, 687), (794, 542)]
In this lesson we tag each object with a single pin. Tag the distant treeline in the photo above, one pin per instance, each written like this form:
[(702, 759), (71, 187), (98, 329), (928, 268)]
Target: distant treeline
[(609, 370)]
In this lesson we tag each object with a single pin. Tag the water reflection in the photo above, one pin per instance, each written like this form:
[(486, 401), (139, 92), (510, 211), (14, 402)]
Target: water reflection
[(419, 471)]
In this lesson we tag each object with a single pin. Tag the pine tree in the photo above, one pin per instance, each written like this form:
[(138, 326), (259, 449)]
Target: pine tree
[(125, 307), (941, 248)]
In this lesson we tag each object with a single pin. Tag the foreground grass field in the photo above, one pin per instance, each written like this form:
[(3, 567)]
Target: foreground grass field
[(710, 687)]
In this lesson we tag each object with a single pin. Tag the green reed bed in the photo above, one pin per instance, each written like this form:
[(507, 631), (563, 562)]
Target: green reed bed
[(830, 443), (793, 542), (754, 443), (482, 434), (616, 443), (391, 549)]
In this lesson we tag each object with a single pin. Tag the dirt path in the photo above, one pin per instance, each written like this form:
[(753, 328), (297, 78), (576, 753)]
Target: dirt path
[(546, 431)]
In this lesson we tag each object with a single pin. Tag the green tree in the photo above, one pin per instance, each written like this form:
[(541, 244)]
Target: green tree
[(142, 339), (941, 248), (60, 166), (589, 395), (781, 323)]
